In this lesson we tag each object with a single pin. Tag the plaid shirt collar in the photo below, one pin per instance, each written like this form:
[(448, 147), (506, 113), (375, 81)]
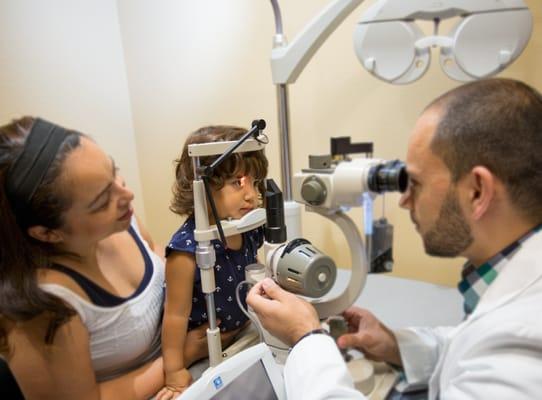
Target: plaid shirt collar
[(476, 280)]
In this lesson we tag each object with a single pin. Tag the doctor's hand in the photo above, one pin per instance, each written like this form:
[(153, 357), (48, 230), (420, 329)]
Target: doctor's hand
[(370, 336), (283, 314)]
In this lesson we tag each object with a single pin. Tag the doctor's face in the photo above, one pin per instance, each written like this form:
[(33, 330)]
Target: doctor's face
[(432, 198)]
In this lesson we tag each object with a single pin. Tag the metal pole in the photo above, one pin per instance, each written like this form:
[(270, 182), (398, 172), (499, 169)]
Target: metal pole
[(284, 141)]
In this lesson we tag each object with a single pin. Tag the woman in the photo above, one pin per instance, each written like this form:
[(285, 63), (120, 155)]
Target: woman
[(81, 291)]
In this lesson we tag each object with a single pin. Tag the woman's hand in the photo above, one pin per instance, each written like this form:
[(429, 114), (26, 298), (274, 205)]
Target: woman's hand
[(176, 383)]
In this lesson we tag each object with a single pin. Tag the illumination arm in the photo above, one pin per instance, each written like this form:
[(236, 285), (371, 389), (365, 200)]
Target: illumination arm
[(288, 61)]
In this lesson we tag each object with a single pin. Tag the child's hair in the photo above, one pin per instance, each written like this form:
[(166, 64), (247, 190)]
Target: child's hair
[(251, 163)]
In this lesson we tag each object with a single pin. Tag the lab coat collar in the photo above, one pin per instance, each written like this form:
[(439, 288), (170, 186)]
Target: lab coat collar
[(522, 270)]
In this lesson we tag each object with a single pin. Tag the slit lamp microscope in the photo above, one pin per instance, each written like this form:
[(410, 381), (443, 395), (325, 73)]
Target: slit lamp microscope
[(390, 46)]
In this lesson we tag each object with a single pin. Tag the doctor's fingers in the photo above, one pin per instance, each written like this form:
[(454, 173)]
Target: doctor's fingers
[(377, 343), (256, 291), (255, 298), (270, 288), (260, 296), (355, 316), (269, 299), (366, 343), (264, 307), (359, 340)]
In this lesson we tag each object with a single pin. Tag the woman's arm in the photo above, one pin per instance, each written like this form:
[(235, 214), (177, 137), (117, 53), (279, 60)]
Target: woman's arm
[(142, 383), (180, 270), (63, 369), (60, 370)]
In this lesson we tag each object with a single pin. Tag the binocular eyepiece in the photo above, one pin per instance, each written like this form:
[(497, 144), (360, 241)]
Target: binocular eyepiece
[(390, 176)]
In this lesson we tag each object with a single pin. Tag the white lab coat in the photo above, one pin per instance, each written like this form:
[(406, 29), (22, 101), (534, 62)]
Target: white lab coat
[(315, 370), (495, 354)]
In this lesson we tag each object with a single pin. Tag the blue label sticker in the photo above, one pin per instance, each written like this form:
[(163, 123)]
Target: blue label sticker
[(217, 382)]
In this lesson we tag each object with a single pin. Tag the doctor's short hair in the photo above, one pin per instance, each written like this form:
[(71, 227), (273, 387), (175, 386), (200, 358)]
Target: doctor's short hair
[(253, 163), (495, 123)]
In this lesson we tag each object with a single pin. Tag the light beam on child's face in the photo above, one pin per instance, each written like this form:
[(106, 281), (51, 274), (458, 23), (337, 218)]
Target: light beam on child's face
[(243, 180), (247, 179), (237, 197)]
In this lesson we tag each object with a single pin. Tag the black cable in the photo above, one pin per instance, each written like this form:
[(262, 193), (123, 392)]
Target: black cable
[(213, 210), (278, 17), (206, 172)]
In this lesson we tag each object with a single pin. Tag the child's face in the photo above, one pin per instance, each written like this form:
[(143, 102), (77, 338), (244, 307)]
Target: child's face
[(238, 197)]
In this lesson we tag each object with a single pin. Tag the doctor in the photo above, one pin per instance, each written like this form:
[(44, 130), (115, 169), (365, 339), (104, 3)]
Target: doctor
[(474, 161)]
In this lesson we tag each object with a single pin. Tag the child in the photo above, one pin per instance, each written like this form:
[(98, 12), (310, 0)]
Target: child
[(236, 188)]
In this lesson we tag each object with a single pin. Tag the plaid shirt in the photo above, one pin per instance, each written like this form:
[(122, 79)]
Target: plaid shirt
[(476, 280)]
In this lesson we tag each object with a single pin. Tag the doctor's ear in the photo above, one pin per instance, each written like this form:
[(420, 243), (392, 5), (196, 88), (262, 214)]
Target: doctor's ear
[(44, 234), (481, 186)]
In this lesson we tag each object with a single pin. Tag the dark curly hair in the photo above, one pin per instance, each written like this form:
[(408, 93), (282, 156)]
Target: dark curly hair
[(253, 163), (21, 256)]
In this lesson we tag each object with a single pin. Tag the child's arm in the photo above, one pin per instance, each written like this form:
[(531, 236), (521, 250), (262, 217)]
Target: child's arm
[(180, 270)]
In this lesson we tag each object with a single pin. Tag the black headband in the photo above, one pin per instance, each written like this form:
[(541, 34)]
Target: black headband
[(27, 172)]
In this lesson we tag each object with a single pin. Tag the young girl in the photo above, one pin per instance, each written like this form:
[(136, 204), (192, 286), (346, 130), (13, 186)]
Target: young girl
[(236, 189)]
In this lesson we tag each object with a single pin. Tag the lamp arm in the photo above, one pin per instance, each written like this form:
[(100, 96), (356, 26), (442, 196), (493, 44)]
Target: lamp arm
[(289, 60)]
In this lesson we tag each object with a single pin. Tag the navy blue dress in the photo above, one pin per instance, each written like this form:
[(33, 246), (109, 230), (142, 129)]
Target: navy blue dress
[(229, 271)]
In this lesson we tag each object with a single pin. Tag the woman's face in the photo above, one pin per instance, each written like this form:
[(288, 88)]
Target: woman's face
[(101, 203)]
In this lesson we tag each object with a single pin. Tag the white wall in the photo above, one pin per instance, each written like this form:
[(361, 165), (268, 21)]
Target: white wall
[(140, 75), (192, 63), (62, 60)]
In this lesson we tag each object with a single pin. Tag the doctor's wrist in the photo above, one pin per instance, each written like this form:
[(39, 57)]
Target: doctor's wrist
[(317, 331)]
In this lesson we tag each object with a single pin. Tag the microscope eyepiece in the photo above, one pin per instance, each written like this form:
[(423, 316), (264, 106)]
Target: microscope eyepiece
[(390, 176)]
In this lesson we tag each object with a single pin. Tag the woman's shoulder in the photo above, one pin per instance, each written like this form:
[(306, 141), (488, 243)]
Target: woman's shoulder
[(34, 331), (47, 277)]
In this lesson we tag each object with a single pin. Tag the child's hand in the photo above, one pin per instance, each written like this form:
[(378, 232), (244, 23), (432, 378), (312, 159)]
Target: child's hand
[(195, 345), (176, 383), (229, 336)]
